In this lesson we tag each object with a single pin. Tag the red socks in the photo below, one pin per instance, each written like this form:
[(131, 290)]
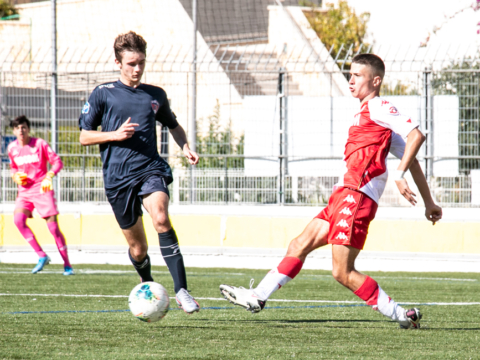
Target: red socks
[(368, 292)]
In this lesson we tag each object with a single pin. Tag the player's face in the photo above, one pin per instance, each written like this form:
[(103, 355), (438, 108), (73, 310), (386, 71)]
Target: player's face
[(362, 81), (21, 131), (131, 67)]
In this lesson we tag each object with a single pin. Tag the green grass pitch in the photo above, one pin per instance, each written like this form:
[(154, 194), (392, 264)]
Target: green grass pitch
[(59, 327)]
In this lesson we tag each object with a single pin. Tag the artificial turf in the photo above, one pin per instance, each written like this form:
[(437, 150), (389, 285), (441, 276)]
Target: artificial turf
[(59, 327)]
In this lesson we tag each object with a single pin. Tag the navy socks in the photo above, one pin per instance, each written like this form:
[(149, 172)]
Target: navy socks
[(174, 259), (144, 267)]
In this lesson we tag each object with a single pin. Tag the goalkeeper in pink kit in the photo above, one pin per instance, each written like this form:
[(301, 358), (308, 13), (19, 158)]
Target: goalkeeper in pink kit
[(28, 159)]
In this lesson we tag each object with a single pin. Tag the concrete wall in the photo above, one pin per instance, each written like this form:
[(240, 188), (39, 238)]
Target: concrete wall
[(262, 228)]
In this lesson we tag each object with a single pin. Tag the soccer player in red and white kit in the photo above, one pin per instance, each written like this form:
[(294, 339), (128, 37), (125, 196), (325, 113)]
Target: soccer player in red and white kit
[(377, 129), (28, 161)]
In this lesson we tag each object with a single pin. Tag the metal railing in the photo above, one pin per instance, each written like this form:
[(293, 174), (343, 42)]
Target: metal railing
[(271, 122)]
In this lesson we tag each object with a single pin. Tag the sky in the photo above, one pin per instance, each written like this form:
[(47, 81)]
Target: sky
[(409, 21)]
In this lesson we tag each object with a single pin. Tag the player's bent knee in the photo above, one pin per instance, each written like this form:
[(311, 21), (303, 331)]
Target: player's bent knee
[(139, 252), (161, 222)]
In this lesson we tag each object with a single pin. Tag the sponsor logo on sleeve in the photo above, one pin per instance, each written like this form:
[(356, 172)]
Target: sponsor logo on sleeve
[(393, 110), (155, 106), (86, 108), (108, 86), (341, 236), (385, 102)]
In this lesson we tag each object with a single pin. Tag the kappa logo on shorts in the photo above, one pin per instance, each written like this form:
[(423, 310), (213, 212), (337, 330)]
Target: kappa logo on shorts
[(345, 211), (350, 199), (155, 106), (341, 236), (342, 223)]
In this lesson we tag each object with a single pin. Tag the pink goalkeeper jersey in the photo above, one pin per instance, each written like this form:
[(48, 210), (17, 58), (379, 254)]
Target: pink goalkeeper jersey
[(32, 159), (377, 130)]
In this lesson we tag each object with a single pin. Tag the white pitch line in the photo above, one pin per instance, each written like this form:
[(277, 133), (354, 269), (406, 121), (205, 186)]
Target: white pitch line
[(271, 300)]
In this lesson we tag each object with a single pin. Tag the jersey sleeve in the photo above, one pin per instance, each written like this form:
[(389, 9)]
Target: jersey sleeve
[(92, 112), (397, 147), (52, 158), (165, 115), (385, 114), (13, 166)]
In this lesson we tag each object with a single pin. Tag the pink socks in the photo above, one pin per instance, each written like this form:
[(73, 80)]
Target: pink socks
[(59, 240), (20, 221), (276, 278)]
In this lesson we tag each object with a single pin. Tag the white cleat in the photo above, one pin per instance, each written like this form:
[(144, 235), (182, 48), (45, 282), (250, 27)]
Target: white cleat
[(245, 298), (187, 302), (413, 319)]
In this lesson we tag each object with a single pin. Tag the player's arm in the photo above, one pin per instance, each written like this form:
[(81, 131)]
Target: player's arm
[(18, 177), (433, 212), (180, 138), (415, 140), (94, 137)]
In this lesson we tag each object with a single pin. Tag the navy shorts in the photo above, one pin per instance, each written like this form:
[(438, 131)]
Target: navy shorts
[(127, 202)]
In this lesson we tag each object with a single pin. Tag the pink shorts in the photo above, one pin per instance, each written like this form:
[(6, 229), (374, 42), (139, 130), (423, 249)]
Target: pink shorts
[(46, 204)]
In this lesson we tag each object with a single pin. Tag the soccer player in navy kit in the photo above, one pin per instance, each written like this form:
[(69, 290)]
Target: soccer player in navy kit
[(133, 171)]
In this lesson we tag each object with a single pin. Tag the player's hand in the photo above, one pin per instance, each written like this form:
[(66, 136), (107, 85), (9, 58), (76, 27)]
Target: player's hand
[(125, 131), (433, 213), (47, 185), (20, 178), (192, 156), (405, 191)]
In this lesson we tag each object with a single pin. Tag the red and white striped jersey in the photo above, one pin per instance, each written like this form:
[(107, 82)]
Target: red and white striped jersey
[(376, 130)]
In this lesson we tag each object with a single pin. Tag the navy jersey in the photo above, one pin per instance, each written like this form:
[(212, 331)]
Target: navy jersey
[(133, 160)]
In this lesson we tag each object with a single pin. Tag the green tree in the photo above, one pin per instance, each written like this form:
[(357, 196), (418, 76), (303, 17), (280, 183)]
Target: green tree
[(217, 141), (7, 9), (339, 26)]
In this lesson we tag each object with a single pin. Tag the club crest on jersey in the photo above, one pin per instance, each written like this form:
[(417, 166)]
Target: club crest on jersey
[(33, 150), (345, 211), (393, 110), (342, 223), (350, 199), (341, 236), (155, 106), (86, 108)]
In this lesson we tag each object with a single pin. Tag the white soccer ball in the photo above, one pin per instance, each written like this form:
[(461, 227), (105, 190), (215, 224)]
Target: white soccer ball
[(149, 301)]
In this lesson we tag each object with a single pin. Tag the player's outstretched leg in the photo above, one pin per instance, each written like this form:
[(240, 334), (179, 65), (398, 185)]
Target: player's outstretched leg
[(174, 260), (61, 246), (368, 290), (20, 220), (373, 295), (313, 237), (254, 299)]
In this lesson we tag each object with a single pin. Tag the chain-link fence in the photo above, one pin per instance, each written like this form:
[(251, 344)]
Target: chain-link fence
[(271, 122)]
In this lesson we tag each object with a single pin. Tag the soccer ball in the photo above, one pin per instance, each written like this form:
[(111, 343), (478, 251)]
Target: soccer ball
[(149, 301)]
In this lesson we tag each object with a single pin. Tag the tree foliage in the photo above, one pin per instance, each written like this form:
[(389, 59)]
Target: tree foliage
[(217, 141), (7, 9), (339, 25)]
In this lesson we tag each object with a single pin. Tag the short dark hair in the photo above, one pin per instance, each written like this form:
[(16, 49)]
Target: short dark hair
[(129, 42), (22, 119), (374, 61)]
